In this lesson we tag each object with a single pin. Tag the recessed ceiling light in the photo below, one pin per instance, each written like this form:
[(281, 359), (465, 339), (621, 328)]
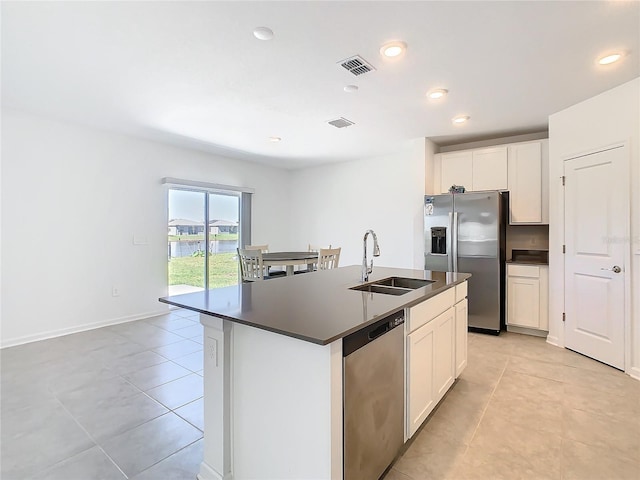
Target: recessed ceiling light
[(393, 49), (437, 93), (460, 119), (611, 58), (263, 33), (351, 88), (275, 139)]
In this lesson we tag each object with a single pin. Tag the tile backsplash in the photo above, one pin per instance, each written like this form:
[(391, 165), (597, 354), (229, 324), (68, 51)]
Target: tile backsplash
[(527, 237)]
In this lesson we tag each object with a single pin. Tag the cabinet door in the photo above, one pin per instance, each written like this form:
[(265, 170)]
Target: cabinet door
[(456, 169), (523, 302), (525, 183), (490, 169), (544, 298), (420, 387), (462, 327), (444, 361)]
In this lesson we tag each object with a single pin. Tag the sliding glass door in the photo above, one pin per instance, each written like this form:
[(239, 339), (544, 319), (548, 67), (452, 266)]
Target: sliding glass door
[(202, 255), (224, 226)]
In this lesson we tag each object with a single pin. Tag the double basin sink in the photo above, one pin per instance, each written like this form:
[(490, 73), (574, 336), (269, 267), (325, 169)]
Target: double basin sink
[(393, 285)]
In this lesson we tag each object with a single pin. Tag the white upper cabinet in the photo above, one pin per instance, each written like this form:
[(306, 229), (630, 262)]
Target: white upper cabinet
[(480, 169), (528, 183), (522, 168), (456, 169), (490, 169)]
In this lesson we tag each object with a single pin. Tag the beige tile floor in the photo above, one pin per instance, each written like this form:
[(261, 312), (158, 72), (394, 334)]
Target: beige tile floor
[(126, 402), (524, 409)]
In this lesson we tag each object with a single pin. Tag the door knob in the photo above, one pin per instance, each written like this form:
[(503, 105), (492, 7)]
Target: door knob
[(614, 269)]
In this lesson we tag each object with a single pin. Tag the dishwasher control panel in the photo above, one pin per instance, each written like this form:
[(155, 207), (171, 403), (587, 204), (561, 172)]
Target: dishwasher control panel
[(398, 320), (368, 334)]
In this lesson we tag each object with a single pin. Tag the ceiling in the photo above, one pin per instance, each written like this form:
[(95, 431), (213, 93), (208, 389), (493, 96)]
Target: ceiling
[(192, 73)]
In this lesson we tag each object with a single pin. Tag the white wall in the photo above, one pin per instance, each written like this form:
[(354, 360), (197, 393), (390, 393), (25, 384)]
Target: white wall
[(72, 200), (611, 117), (337, 203), (430, 150)]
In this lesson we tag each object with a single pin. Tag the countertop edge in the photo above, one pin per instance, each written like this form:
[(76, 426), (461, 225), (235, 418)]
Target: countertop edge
[(325, 341), (244, 322), (520, 262)]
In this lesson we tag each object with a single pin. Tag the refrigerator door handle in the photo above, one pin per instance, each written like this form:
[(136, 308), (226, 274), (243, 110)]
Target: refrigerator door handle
[(454, 251), (450, 244)]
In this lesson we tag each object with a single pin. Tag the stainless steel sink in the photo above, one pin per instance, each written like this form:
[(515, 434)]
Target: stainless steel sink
[(393, 285), (401, 282), (373, 288)]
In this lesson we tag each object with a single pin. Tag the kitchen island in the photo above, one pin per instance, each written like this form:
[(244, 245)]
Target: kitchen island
[(273, 381)]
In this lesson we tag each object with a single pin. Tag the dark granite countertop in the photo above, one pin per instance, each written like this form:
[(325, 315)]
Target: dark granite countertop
[(528, 262), (529, 257), (315, 307)]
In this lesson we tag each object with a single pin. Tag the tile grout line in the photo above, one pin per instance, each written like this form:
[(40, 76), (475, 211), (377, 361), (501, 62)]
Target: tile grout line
[(488, 402), (90, 437), (169, 410), (159, 461)]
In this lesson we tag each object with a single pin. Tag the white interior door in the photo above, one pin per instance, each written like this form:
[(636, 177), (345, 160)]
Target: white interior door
[(596, 226)]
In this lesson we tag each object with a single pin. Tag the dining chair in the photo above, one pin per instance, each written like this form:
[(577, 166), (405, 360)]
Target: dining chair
[(251, 265), (265, 249), (316, 248), (314, 267), (328, 258)]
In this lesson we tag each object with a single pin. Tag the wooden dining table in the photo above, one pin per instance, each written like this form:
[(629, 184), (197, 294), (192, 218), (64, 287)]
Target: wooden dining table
[(290, 260)]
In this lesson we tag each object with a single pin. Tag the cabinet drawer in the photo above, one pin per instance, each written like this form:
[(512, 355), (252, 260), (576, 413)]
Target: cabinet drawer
[(461, 291), (429, 309), (523, 271)]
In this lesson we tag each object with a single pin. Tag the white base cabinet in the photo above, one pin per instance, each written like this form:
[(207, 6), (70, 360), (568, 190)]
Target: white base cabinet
[(462, 328), (420, 383), (436, 352), (527, 296)]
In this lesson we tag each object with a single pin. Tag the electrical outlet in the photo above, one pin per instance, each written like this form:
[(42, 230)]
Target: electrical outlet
[(213, 351), (140, 240), (115, 292)]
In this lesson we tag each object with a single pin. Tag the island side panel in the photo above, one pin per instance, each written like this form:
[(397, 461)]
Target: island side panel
[(287, 407), (216, 464)]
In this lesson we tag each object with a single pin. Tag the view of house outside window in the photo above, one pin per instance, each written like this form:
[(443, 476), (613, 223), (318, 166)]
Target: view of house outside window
[(195, 248)]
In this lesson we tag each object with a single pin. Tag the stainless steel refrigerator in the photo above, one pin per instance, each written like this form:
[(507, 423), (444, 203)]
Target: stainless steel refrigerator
[(465, 232)]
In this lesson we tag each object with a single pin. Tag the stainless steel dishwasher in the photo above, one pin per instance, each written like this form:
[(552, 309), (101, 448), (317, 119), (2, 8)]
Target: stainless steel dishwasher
[(373, 367)]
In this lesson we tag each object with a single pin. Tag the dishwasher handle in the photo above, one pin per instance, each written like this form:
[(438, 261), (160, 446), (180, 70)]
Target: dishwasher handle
[(381, 330), (370, 333)]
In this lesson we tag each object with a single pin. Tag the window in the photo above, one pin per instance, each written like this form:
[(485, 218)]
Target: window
[(202, 254)]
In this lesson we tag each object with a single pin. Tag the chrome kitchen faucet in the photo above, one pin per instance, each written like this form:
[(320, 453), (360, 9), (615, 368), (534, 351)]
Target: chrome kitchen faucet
[(366, 270)]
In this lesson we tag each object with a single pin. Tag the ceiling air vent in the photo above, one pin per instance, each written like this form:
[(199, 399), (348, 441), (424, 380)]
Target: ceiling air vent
[(356, 65), (341, 122)]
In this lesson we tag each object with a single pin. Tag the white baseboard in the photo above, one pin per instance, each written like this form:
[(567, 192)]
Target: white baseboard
[(553, 341), (12, 342), (208, 473), (527, 331), (634, 372)]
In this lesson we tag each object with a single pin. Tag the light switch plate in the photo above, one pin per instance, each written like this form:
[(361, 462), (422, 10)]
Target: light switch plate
[(140, 240)]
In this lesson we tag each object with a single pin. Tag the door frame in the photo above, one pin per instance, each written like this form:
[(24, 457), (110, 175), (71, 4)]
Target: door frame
[(245, 200), (626, 184)]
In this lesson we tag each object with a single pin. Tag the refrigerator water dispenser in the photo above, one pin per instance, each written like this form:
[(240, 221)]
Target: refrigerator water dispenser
[(439, 240)]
